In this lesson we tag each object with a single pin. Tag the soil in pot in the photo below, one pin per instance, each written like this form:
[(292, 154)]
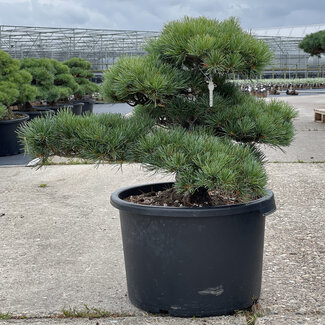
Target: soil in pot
[(169, 197)]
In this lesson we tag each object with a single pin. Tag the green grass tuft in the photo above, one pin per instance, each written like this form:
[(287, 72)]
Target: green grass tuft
[(90, 312), (87, 312), (5, 316)]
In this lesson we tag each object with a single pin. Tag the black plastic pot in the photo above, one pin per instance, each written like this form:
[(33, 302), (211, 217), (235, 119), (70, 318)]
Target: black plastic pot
[(39, 112), (88, 106), (9, 144), (77, 108), (192, 261)]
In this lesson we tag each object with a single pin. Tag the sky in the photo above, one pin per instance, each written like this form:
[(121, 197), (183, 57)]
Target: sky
[(150, 15)]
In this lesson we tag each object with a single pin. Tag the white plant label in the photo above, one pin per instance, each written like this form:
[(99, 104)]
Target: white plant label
[(211, 87)]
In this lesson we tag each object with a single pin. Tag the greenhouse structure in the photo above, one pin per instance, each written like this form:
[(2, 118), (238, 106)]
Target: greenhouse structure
[(289, 61), (102, 47)]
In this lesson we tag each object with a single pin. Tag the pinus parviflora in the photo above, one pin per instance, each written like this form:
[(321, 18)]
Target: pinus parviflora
[(194, 123)]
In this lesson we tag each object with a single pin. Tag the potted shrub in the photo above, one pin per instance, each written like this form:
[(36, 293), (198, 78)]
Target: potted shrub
[(81, 71), (66, 86), (42, 74), (193, 247), (14, 87), (53, 81), (27, 93)]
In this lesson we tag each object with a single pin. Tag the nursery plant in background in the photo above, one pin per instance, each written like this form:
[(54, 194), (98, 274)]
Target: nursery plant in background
[(15, 87), (66, 86), (301, 83), (81, 71), (193, 247), (42, 72), (64, 82), (53, 81)]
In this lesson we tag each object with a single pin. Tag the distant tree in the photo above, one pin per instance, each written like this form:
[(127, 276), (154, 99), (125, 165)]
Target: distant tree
[(314, 43), (81, 71)]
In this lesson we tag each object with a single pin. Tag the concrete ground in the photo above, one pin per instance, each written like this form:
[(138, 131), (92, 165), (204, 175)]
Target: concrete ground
[(61, 249), (309, 142)]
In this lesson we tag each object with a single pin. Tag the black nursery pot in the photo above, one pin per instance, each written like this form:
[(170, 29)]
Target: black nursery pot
[(192, 261), (9, 143), (88, 106), (39, 112), (77, 108)]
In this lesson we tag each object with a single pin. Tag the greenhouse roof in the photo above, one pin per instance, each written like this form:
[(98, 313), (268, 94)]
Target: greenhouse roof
[(294, 31)]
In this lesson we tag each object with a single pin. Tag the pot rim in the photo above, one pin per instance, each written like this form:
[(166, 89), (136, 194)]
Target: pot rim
[(264, 205)]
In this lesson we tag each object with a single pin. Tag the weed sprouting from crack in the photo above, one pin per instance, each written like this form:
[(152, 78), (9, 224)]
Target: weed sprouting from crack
[(255, 311), (7, 316), (90, 313), (71, 312)]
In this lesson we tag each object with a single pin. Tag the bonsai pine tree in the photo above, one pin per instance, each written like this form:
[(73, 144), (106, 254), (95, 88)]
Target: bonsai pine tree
[(182, 82), (81, 71), (51, 78), (15, 85), (314, 43), (203, 129)]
